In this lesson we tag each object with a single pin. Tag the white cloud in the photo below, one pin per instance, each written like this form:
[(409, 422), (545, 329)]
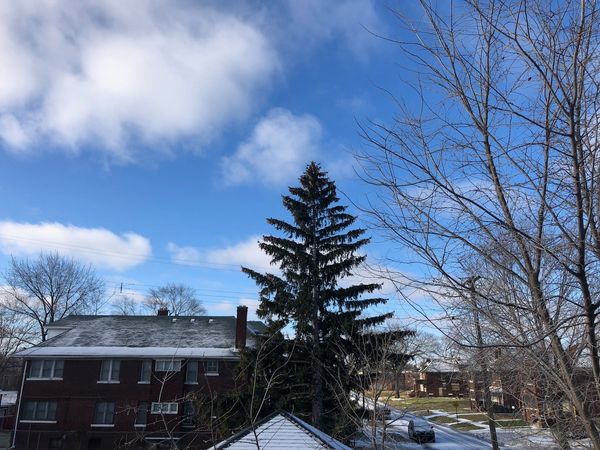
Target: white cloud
[(12, 132), (278, 149), (109, 73), (244, 253), (353, 21), (187, 256), (97, 246)]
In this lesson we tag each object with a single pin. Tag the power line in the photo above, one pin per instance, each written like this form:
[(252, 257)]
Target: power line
[(133, 256), (118, 284)]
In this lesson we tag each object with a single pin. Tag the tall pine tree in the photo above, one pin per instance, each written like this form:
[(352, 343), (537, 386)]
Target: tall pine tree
[(314, 252)]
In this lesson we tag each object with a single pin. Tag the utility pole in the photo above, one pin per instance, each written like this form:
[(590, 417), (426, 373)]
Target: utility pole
[(485, 375)]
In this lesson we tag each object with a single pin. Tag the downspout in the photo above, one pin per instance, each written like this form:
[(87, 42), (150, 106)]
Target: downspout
[(14, 442)]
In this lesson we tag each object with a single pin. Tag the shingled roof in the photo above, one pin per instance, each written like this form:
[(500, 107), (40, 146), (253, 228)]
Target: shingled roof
[(184, 336), (281, 431)]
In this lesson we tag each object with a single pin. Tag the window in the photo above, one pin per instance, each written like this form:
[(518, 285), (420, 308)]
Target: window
[(50, 369), (103, 415), (167, 365), (43, 411), (146, 371), (109, 372), (191, 374), (141, 414), (188, 414), (164, 408), (212, 367)]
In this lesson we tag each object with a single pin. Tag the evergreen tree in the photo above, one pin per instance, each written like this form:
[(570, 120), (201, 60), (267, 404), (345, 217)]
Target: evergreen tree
[(317, 249)]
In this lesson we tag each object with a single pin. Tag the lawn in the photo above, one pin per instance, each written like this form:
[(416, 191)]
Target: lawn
[(442, 419), (428, 403), (465, 427), (474, 417), (511, 423)]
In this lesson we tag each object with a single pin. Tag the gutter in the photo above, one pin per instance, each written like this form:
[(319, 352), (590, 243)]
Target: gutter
[(14, 442)]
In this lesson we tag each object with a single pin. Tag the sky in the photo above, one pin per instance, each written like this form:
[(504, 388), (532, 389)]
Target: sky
[(152, 139)]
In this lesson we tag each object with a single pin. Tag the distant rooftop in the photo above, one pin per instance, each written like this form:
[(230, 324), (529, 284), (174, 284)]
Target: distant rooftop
[(142, 335)]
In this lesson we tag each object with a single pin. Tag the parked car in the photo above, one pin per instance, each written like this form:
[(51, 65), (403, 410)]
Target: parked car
[(420, 430)]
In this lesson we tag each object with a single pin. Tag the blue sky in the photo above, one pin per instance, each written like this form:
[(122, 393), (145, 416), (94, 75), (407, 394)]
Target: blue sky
[(152, 139)]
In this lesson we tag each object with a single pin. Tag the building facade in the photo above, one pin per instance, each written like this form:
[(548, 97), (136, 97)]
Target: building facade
[(438, 379), (106, 382)]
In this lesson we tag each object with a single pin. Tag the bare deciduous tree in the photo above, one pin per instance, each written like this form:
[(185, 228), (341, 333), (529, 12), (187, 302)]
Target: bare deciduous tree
[(125, 305), (179, 299), (49, 288), (493, 172)]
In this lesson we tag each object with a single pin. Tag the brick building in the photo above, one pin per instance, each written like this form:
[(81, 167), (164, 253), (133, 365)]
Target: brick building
[(438, 379), (106, 382), (505, 392)]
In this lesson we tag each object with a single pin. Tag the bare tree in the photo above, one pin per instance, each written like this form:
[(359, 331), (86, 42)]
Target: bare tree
[(125, 305), (49, 288), (179, 299), (15, 333), (493, 172)]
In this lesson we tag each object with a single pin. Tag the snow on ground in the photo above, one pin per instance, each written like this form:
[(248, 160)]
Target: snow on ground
[(447, 438)]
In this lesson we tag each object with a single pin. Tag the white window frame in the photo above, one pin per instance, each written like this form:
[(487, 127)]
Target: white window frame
[(43, 363), (111, 371), (207, 371), (45, 404), (146, 368), (141, 412), (189, 365), (164, 408), (104, 424), (167, 365)]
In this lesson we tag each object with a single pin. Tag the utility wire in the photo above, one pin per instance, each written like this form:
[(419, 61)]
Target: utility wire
[(133, 256)]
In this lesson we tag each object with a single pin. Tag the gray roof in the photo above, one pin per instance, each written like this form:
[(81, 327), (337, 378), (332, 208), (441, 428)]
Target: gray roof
[(281, 431), (88, 335)]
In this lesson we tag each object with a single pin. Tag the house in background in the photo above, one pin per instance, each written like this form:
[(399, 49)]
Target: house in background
[(438, 379), (505, 392), (278, 431), (543, 404), (8, 408), (101, 382)]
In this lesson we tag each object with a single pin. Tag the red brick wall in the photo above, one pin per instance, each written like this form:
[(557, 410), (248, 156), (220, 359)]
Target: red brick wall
[(78, 392)]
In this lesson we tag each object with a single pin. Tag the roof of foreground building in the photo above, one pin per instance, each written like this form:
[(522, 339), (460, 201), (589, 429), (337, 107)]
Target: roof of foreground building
[(281, 431)]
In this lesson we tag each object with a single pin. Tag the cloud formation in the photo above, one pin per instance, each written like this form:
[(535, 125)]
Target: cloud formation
[(113, 73), (351, 21), (186, 256), (244, 253), (277, 150), (97, 246)]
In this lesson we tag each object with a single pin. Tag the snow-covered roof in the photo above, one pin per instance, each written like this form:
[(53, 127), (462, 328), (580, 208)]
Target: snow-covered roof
[(281, 431), (184, 336), (440, 366)]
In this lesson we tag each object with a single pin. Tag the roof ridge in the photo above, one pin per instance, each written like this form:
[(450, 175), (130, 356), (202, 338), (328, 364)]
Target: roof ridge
[(296, 421)]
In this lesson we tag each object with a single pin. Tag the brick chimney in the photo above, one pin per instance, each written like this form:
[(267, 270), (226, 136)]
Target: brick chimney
[(162, 312), (241, 325)]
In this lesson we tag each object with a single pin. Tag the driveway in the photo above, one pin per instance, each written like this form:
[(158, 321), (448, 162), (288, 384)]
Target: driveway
[(445, 437)]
